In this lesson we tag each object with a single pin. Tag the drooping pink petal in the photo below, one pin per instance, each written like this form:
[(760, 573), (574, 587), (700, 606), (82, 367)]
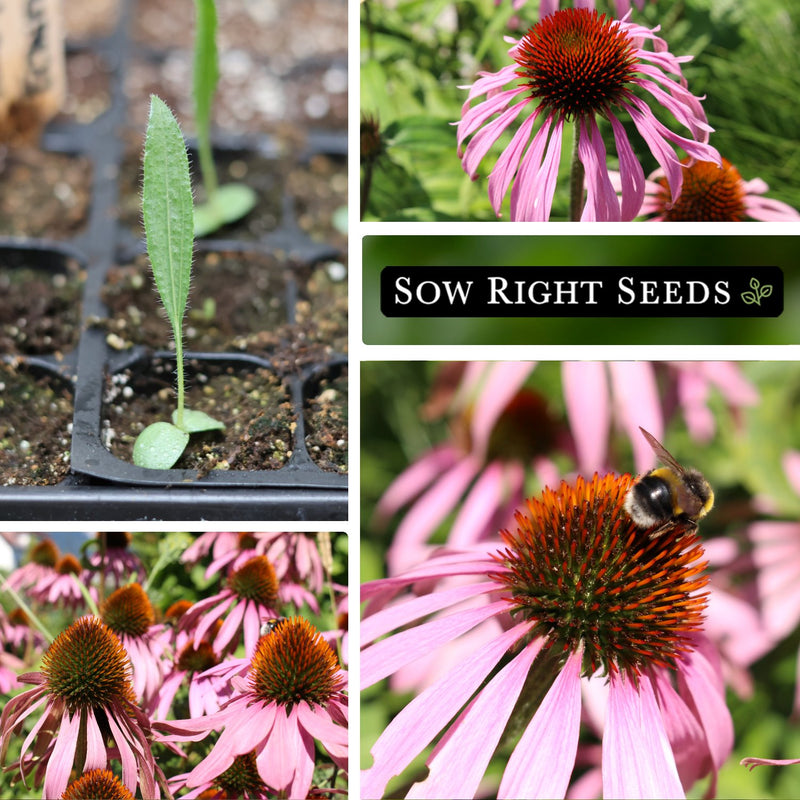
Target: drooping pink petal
[(384, 657), (482, 141), (588, 403), (601, 199), (773, 762), (503, 380), (96, 756), (403, 613), (419, 722), (507, 163), (532, 195), (429, 510), (542, 762), (323, 728), (631, 174), (700, 681), (637, 758), (458, 765), (59, 764), (412, 480), (638, 405)]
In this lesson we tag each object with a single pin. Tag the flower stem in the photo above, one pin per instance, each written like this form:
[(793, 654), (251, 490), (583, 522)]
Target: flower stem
[(576, 175)]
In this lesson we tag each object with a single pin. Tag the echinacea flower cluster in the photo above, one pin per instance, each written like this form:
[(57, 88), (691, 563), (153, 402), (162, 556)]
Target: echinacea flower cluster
[(172, 685)]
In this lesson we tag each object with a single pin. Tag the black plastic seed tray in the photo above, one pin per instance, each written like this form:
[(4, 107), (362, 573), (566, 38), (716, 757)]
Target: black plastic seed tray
[(99, 484)]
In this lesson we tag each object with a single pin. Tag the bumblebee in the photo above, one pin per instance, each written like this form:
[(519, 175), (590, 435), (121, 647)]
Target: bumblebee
[(668, 495), (271, 625)]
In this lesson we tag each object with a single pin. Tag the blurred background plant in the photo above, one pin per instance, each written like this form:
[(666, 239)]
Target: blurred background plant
[(415, 56), (736, 422)]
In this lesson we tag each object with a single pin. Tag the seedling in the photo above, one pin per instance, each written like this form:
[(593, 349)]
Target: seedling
[(169, 228), (228, 203)]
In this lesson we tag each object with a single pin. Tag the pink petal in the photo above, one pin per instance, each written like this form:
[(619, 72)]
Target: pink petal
[(542, 762), (631, 174), (419, 722), (401, 614), (525, 194), (482, 141), (601, 204), (586, 395), (637, 404), (508, 161), (59, 765), (457, 766), (384, 657), (412, 480), (637, 758), (319, 724)]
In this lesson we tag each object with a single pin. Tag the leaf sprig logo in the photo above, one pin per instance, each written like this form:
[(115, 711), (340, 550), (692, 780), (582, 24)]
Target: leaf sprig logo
[(758, 294)]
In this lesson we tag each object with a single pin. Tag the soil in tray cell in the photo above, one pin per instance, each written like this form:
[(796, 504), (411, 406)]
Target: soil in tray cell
[(326, 422), (35, 423), (253, 403), (234, 299), (43, 195), (39, 310)]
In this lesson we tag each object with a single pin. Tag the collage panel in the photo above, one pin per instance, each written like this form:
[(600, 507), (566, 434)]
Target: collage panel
[(575, 290), (584, 110), (173, 262), (174, 664), (579, 578)]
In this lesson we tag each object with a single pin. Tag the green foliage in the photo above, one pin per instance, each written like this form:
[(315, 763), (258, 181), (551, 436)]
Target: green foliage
[(417, 57), (233, 201), (169, 228)]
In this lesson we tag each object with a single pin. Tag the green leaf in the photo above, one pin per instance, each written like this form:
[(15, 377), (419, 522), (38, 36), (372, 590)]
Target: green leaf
[(206, 71), (749, 298), (167, 211), (228, 204), (197, 421), (206, 75), (159, 446)]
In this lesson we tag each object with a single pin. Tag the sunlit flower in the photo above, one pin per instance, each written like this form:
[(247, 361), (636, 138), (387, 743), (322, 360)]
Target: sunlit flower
[(621, 7), (250, 596), (713, 194), (292, 693), (87, 698), (129, 614), (576, 65), (577, 592)]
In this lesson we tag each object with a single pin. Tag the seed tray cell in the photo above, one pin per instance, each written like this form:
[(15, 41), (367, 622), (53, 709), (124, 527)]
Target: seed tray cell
[(297, 348)]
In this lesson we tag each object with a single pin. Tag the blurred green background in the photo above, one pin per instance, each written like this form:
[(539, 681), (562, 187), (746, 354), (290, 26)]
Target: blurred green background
[(742, 462), (415, 54), (655, 251)]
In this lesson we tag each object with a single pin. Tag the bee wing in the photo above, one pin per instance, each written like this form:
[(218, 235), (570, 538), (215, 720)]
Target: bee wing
[(663, 455)]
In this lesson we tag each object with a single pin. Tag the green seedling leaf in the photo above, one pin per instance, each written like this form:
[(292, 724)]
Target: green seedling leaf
[(168, 212), (206, 75), (197, 421), (159, 446), (228, 204)]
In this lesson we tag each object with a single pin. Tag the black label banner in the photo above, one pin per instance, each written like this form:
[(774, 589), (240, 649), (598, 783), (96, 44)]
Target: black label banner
[(479, 291)]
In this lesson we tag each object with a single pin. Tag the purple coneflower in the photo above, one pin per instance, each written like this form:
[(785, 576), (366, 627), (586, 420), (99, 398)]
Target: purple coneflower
[(713, 194), (129, 614), (573, 66), (621, 7), (41, 563), (292, 694), (85, 689), (251, 595), (114, 560), (578, 591), (60, 587)]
